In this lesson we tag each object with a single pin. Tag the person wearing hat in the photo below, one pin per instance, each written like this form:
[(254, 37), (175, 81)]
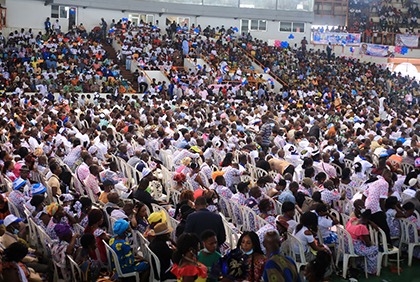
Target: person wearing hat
[(122, 248), (153, 219), (163, 247), (15, 231), (17, 197), (414, 173), (38, 189)]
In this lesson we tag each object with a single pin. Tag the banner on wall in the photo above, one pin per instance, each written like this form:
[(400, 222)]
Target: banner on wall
[(374, 50), (336, 38), (407, 40)]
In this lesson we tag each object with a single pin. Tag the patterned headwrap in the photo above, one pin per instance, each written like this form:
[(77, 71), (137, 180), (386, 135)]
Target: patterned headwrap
[(52, 209)]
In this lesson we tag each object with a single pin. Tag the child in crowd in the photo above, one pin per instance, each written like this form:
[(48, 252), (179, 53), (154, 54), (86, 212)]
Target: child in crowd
[(393, 212), (209, 256), (325, 222)]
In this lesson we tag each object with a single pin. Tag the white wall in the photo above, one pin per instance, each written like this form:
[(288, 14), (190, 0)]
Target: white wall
[(23, 13)]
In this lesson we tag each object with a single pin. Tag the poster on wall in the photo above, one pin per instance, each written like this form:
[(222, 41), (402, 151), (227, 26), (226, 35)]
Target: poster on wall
[(407, 40), (336, 38), (374, 50)]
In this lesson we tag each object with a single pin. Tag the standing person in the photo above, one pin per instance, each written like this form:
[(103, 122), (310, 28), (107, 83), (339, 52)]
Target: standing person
[(265, 133), (47, 26), (374, 196), (203, 220), (278, 267), (104, 26), (142, 83), (57, 27), (329, 50), (304, 42)]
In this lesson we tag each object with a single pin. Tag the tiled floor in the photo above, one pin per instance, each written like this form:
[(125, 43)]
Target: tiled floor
[(408, 274)]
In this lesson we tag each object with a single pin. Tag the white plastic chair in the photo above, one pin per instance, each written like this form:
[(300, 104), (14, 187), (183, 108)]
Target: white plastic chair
[(45, 240), (232, 237), (259, 172), (345, 218), (410, 228), (14, 210), (237, 217), (173, 223), (112, 256), (348, 163), (379, 239), (346, 248), (288, 248), (175, 195), (141, 242), (155, 264), (156, 189), (226, 207), (249, 219), (76, 272), (406, 168)]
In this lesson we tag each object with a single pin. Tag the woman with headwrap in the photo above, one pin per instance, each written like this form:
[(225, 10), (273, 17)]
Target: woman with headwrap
[(65, 245), (58, 216), (122, 248)]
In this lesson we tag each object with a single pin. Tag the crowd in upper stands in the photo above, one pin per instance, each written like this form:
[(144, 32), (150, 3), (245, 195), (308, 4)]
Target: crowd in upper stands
[(213, 179), (383, 17)]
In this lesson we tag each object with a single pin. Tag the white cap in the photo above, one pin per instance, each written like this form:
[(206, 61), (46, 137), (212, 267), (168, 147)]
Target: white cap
[(400, 151), (10, 219), (412, 182)]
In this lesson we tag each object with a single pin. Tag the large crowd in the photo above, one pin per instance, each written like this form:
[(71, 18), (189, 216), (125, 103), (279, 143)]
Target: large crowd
[(214, 177), (383, 18)]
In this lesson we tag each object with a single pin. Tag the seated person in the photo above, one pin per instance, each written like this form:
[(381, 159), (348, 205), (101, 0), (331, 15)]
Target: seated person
[(122, 248), (325, 222), (90, 267), (163, 247)]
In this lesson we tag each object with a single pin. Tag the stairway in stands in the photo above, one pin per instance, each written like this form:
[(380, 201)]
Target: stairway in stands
[(126, 74)]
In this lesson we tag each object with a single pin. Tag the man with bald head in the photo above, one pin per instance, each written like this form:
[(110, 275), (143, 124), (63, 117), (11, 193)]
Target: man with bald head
[(278, 267)]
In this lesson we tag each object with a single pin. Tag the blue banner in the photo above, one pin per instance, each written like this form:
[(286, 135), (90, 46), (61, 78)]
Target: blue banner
[(374, 50), (336, 38)]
